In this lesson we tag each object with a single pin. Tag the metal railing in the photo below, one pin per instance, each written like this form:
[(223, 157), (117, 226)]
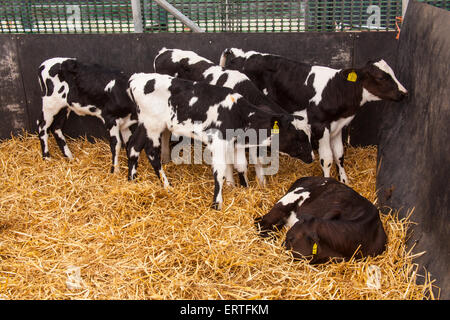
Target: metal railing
[(116, 16)]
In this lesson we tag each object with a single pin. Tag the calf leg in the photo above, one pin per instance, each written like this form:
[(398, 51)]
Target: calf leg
[(259, 170), (115, 143), (134, 147), (50, 109), (229, 175), (153, 150), (56, 129), (240, 163), (219, 177), (219, 166), (165, 146), (338, 155), (325, 153)]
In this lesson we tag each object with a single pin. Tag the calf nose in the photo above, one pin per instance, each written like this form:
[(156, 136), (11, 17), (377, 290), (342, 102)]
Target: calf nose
[(402, 95)]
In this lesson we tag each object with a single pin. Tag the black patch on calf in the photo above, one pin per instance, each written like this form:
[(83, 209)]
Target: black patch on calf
[(149, 86), (61, 89), (92, 109), (222, 79), (53, 71), (49, 85)]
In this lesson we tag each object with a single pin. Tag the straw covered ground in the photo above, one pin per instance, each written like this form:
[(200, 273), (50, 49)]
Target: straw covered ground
[(72, 230)]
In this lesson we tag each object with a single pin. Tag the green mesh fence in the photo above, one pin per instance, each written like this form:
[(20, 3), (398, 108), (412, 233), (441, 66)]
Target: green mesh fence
[(116, 16)]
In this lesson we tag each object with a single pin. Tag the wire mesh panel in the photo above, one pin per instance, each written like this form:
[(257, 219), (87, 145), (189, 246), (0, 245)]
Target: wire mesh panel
[(109, 16), (66, 16)]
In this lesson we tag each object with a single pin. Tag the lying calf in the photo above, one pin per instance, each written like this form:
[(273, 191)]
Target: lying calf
[(328, 220), (204, 112), (86, 89)]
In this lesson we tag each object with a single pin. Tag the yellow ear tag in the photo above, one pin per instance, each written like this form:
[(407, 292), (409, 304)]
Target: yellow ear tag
[(314, 248), (352, 76), (275, 129)]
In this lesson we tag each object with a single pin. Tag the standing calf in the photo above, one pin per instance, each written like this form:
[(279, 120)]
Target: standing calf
[(331, 97), (189, 65), (69, 85), (203, 112), (328, 219)]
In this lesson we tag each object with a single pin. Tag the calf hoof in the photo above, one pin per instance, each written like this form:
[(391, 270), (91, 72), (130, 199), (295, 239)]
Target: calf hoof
[(46, 156), (343, 179), (216, 206)]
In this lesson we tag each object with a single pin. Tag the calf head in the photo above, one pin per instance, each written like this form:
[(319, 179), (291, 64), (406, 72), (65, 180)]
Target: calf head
[(379, 79), (303, 240), (294, 140)]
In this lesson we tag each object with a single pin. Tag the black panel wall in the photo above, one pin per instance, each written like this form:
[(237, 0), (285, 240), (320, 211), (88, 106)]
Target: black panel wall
[(414, 148), (135, 53)]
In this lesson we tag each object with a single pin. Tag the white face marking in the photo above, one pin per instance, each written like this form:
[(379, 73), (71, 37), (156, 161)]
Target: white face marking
[(265, 91), (291, 220), (110, 85), (250, 114), (382, 65), (321, 77)]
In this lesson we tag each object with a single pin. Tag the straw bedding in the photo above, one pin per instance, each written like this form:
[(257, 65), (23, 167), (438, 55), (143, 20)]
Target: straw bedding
[(135, 240)]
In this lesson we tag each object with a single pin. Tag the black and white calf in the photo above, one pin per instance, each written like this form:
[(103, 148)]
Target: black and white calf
[(203, 112), (331, 96), (327, 219), (191, 66), (70, 85)]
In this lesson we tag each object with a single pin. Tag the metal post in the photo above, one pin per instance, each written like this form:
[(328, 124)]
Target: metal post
[(137, 16), (404, 6), (178, 15)]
